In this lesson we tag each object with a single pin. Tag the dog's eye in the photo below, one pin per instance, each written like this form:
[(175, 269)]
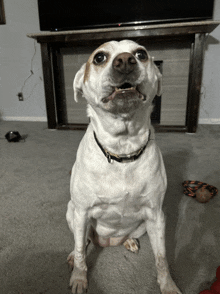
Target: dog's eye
[(141, 54), (100, 58)]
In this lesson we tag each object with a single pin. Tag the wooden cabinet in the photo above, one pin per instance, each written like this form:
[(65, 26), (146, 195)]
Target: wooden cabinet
[(180, 46)]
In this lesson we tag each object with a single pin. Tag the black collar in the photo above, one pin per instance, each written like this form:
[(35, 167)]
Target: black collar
[(127, 158)]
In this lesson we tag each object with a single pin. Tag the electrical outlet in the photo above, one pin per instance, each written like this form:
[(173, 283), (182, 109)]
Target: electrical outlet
[(20, 96)]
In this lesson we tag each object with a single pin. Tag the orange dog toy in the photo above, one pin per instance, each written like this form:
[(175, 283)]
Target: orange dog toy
[(201, 191)]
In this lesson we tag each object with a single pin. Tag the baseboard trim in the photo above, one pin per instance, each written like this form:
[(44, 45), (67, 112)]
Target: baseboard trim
[(209, 121), (202, 121), (24, 118)]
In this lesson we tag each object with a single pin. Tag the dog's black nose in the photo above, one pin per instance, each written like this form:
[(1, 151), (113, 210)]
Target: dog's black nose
[(124, 63)]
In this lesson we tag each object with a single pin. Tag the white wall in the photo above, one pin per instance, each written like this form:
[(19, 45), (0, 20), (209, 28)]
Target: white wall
[(210, 96), (19, 55)]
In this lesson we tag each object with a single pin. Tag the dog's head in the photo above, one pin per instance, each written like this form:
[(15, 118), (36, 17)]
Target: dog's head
[(119, 77)]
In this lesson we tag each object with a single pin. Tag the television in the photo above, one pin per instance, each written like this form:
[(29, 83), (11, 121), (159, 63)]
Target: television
[(57, 15)]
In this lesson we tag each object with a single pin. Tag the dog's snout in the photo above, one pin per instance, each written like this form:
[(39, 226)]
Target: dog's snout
[(124, 63)]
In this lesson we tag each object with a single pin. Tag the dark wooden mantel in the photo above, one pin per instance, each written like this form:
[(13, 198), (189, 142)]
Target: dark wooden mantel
[(195, 32)]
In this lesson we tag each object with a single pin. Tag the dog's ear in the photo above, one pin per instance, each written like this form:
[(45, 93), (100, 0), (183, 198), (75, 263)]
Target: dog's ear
[(159, 78), (159, 87), (78, 83)]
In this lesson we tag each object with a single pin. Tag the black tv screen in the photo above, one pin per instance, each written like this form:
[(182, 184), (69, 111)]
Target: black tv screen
[(58, 15)]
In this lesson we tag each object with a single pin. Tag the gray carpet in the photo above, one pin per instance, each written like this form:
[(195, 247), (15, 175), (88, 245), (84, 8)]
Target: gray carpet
[(35, 239)]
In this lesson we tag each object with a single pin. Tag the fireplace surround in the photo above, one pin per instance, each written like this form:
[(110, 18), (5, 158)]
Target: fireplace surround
[(178, 46)]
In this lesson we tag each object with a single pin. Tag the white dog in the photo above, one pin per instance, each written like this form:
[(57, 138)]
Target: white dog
[(118, 181)]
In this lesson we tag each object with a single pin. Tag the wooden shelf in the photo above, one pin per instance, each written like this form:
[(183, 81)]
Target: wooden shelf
[(170, 29)]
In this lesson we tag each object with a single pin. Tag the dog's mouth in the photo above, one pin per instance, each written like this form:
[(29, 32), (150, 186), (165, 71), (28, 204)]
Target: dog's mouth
[(127, 91)]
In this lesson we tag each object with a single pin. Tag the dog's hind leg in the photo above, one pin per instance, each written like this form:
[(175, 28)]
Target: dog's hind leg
[(70, 259), (156, 231), (132, 245)]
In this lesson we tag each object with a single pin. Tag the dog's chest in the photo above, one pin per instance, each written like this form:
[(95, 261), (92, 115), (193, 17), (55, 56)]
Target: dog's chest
[(115, 192), (124, 207)]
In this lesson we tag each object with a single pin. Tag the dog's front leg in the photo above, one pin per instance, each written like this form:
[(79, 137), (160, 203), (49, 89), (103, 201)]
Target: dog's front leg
[(77, 220), (156, 233)]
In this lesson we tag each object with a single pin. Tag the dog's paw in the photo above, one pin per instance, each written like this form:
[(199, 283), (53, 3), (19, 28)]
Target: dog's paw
[(70, 260), (171, 289), (78, 281), (79, 287), (132, 245), (171, 292)]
